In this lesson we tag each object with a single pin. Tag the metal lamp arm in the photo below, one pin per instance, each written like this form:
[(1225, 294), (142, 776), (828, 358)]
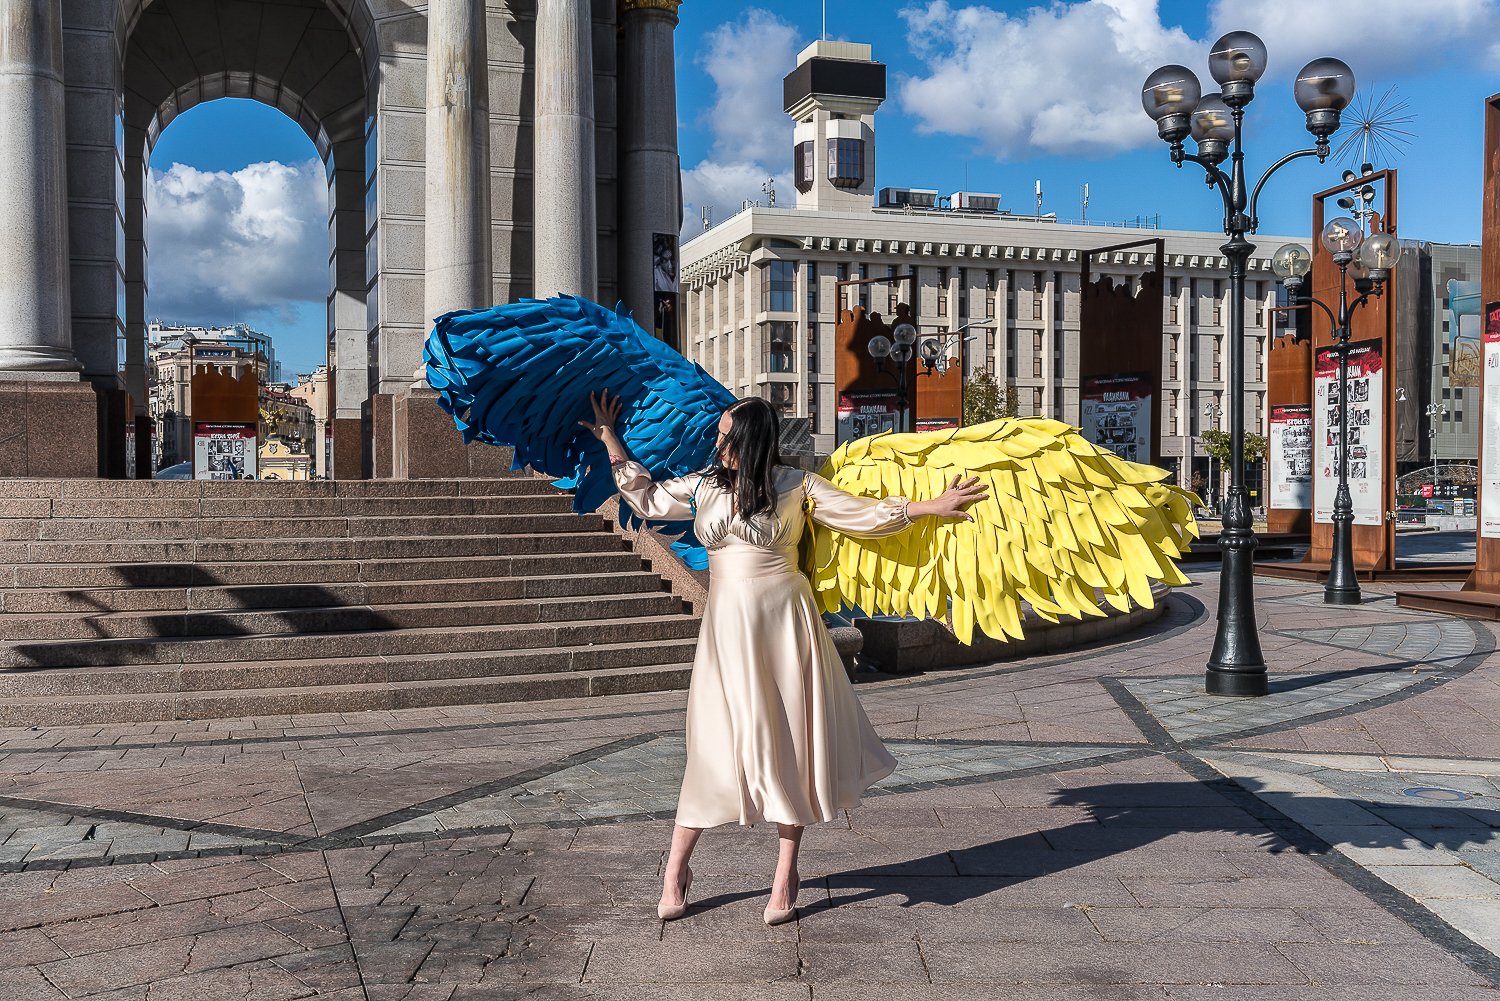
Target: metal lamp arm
[(1319, 151), (1215, 175), (1332, 319)]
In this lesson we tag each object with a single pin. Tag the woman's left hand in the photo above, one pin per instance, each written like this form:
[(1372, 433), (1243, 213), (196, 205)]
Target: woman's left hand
[(951, 503)]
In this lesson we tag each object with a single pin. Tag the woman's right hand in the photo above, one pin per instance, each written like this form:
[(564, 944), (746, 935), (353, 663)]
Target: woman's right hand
[(606, 412)]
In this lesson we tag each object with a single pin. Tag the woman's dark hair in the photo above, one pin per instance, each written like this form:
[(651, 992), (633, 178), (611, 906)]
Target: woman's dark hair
[(754, 434)]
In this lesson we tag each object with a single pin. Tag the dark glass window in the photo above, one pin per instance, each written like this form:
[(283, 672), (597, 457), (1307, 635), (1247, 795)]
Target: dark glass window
[(803, 163), (846, 162), (780, 287), (812, 287)]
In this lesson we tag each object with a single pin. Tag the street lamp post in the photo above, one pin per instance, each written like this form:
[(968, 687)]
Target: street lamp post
[(1213, 412), (1174, 98), (898, 348), (1370, 261)]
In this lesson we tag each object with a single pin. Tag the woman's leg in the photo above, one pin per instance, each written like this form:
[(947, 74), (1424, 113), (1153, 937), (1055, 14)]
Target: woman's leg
[(683, 841), (784, 889)]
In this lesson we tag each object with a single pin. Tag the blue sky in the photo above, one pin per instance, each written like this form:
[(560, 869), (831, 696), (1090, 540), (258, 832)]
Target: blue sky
[(984, 96)]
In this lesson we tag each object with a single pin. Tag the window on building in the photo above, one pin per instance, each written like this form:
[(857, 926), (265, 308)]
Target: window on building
[(1058, 292), (1036, 304), (1192, 288), (779, 287), (1172, 300), (1036, 401), (1216, 376), (1036, 355), (1059, 351), (812, 347), (1218, 305), (779, 345), (1010, 354), (989, 307), (1260, 305), (942, 305), (895, 300), (846, 162), (812, 288), (804, 160)]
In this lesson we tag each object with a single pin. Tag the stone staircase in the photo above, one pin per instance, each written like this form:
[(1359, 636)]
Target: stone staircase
[(123, 601)]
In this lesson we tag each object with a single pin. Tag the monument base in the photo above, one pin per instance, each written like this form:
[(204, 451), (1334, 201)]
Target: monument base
[(426, 445), (349, 461), (50, 425)]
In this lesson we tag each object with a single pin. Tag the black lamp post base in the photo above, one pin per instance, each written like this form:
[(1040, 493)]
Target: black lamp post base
[(1236, 684), (1341, 597)]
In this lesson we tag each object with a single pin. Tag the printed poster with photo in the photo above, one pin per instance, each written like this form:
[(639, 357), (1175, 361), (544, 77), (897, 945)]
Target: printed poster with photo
[(1366, 424), (1114, 412), (863, 413), (1292, 457), (224, 451), (1489, 459)]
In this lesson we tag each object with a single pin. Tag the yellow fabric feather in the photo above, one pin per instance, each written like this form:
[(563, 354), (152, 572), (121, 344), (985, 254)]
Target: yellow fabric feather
[(1065, 524)]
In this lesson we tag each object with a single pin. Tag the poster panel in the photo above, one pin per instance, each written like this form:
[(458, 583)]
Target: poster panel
[(224, 451), (1464, 346), (1489, 461), (130, 447), (1292, 457), (866, 412), (1366, 422), (1115, 413)]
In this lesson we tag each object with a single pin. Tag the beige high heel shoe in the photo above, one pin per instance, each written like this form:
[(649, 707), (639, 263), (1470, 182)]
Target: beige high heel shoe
[(780, 916), (669, 913)]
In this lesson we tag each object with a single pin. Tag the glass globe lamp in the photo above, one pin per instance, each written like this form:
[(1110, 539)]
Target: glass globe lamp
[(1323, 89), (1169, 96), (1235, 62), (879, 347), (1213, 128), (1341, 238), (1380, 253), (1291, 263)]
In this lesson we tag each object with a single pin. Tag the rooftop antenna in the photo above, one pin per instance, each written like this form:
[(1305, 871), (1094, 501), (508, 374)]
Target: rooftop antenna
[(708, 218), (770, 189), (1038, 197), (825, 20), (1085, 201)]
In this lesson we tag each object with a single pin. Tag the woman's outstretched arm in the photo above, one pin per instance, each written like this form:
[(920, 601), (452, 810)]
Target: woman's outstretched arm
[(667, 500)]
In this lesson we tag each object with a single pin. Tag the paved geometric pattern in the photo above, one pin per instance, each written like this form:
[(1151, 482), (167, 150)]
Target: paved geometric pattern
[(1187, 714), (642, 780), (1073, 826), (1430, 827)]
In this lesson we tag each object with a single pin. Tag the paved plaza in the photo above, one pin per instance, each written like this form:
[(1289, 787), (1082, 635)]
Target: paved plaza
[(1083, 825)]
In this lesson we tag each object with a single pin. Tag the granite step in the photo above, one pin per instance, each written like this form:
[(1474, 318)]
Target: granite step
[(69, 626), (384, 642), (229, 704), (246, 550), (298, 529), (550, 502), (164, 679), (299, 595), (269, 491)]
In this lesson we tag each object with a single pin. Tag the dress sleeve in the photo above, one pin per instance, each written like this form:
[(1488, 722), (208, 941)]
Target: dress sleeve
[(668, 500), (861, 517)]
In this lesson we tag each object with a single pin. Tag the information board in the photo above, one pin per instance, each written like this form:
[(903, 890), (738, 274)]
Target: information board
[(1489, 461), (224, 451), (1114, 412), (863, 413), (1366, 421), (1292, 457)]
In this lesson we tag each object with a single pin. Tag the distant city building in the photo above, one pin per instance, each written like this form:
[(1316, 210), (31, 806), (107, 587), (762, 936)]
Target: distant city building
[(243, 336), (760, 309), (1439, 319), (313, 389), (280, 459)]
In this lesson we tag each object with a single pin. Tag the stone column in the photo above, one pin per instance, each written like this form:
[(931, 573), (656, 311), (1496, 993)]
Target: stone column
[(51, 417), (458, 158), (457, 245), (650, 173), (565, 217), (34, 311)]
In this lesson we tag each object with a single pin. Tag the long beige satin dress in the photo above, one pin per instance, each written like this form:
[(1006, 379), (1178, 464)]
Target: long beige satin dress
[(774, 730)]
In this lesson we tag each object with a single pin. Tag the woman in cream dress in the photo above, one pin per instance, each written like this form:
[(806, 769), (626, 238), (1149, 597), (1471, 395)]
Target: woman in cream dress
[(774, 730)]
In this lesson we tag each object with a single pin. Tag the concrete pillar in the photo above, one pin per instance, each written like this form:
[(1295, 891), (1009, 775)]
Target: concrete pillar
[(457, 271), (566, 216), (34, 302), (458, 158), (650, 174)]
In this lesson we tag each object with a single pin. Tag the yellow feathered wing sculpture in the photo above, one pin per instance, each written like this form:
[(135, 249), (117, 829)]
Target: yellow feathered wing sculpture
[(1063, 519)]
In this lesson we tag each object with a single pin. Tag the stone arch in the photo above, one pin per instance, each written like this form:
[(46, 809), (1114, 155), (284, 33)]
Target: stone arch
[(314, 60)]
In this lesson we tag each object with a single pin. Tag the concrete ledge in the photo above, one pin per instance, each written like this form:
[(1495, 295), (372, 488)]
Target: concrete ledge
[(905, 646)]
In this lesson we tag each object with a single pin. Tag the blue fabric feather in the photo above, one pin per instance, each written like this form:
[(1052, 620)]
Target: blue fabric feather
[(519, 376)]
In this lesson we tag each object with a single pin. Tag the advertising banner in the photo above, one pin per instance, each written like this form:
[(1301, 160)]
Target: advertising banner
[(1366, 427), (1292, 457), (1489, 461), (224, 451), (1115, 413), (863, 413)]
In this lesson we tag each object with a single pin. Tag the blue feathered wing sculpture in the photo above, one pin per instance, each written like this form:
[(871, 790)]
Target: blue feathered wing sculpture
[(520, 375)]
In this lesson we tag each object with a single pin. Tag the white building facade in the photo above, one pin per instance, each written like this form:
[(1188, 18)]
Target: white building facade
[(760, 306)]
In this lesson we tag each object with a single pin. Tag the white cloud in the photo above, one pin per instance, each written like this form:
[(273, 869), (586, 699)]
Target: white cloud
[(746, 59), (251, 241), (1064, 78), (1372, 36), (1058, 79)]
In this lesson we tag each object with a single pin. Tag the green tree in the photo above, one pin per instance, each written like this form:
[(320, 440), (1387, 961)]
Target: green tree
[(987, 400), (1216, 444)]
